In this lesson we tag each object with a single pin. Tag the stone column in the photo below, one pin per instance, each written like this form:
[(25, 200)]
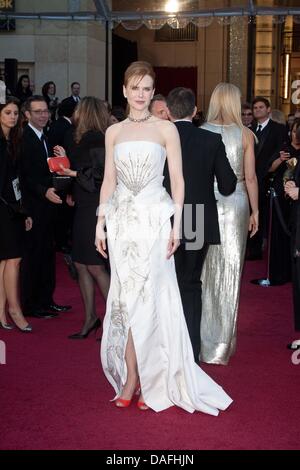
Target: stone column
[(238, 53)]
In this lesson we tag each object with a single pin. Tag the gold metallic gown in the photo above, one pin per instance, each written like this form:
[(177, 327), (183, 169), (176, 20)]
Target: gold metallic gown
[(221, 277)]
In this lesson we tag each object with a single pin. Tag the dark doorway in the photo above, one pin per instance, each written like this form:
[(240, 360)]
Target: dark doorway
[(123, 53), (168, 78)]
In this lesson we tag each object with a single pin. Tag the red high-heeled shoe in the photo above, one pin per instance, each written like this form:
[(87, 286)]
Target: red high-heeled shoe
[(122, 403), (142, 405)]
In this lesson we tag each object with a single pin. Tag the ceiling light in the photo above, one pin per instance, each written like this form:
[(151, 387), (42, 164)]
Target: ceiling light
[(172, 6)]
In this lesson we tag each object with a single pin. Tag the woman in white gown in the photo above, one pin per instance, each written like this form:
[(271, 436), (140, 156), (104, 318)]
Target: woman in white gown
[(145, 339), (222, 270)]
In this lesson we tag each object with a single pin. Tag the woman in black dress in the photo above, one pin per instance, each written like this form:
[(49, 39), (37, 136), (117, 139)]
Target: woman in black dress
[(13, 223), (49, 93), (292, 190), (87, 155), (23, 91)]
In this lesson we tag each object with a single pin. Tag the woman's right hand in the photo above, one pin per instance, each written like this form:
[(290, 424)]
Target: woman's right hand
[(100, 240), (253, 224), (284, 156), (59, 151)]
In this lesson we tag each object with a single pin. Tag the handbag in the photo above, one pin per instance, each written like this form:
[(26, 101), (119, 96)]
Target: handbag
[(55, 162), (61, 183)]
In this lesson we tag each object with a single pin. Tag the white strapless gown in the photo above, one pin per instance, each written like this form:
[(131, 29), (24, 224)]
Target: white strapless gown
[(144, 294)]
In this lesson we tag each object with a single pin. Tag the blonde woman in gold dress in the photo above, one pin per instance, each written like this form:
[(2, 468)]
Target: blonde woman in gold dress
[(221, 276)]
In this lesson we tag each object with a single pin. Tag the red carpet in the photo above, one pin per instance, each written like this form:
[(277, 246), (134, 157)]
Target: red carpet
[(54, 394)]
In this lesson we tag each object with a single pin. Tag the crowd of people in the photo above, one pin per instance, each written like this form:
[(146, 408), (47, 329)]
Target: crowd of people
[(171, 290)]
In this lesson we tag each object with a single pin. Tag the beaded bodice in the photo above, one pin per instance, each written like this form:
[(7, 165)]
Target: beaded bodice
[(139, 165)]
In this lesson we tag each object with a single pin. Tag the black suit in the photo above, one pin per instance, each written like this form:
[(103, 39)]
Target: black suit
[(72, 101), (204, 158), (270, 142), (63, 212), (38, 264)]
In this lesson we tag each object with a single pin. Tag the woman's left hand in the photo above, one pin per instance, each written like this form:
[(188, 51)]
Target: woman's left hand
[(67, 172), (173, 244), (28, 224), (293, 193)]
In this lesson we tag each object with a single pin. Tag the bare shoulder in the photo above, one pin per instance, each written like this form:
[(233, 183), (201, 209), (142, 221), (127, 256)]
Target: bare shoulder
[(167, 129), (167, 125)]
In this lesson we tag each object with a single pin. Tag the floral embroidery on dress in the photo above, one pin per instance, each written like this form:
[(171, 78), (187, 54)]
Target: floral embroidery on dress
[(130, 251), (118, 330), (124, 215)]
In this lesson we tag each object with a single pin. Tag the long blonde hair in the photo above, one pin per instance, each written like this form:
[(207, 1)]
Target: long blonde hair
[(90, 114), (225, 101)]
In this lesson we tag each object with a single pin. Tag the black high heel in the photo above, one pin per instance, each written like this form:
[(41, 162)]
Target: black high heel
[(26, 329), (6, 326), (95, 327)]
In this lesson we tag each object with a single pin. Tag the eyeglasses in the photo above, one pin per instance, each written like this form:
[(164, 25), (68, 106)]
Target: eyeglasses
[(39, 112), (246, 114)]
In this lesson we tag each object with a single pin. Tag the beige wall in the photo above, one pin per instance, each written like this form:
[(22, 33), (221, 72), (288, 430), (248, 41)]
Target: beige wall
[(208, 54), (62, 51)]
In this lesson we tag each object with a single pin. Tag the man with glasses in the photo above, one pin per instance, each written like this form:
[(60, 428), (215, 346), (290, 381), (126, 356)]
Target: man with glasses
[(247, 115), (39, 198)]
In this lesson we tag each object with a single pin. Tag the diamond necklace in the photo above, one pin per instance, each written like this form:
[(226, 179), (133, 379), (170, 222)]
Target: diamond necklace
[(139, 120)]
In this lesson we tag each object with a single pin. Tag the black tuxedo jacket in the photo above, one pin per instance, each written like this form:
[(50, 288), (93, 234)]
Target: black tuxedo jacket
[(35, 175), (270, 142), (70, 100), (203, 159)]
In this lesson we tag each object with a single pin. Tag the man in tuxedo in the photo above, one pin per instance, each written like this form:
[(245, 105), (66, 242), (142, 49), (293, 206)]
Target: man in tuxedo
[(63, 212), (203, 158), (75, 93), (271, 137), (59, 127), (39, 197)]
